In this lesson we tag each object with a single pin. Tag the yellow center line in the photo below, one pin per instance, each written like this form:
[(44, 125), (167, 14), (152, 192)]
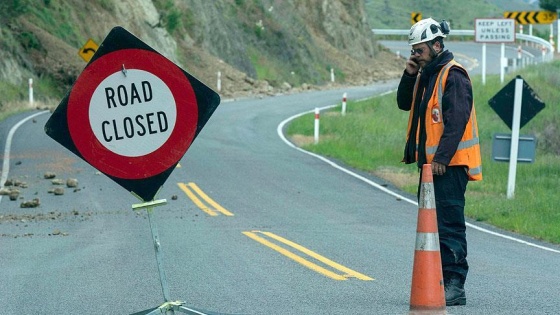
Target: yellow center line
[(295, 257), (209, 200), (191, 189), (347, 271), (196, 201)]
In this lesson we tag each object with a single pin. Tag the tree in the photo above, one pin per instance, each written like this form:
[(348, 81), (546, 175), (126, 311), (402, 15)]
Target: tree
[(550, 5)]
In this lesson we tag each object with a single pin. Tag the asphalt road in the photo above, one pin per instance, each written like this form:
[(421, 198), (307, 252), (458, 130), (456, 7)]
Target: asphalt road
[(256, 204)]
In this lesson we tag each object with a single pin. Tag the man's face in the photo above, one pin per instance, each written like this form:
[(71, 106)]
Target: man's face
[(421, 53)]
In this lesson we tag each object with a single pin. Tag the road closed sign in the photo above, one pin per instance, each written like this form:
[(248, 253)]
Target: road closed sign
[(132, 114), (494, 30)]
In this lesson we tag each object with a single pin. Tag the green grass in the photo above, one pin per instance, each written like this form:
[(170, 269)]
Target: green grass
[(371, 137)]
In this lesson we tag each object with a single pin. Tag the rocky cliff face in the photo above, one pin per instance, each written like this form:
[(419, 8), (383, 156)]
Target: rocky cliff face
[(258, 46)]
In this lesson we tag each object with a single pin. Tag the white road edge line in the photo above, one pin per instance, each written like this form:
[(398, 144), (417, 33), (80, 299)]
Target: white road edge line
[(7, 148), (331, 163)]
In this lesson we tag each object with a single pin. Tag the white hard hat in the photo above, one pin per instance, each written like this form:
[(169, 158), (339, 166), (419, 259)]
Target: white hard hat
[(426, 30)]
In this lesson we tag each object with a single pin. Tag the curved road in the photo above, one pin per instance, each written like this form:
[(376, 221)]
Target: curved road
[(257, 227)]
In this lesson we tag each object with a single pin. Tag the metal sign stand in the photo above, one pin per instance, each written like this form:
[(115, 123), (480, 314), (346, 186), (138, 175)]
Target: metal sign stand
[(169, 307)]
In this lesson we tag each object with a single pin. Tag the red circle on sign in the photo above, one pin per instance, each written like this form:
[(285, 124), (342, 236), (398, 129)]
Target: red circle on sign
[(126, 167)]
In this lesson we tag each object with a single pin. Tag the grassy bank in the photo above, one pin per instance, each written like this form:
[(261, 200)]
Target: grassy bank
[(371, 135), (15, 97)]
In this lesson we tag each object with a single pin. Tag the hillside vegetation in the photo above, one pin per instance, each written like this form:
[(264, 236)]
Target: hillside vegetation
[(460, 14), (260, 47)]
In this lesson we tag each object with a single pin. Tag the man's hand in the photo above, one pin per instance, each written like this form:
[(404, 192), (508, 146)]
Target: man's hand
[(438, 168), (411, 66)]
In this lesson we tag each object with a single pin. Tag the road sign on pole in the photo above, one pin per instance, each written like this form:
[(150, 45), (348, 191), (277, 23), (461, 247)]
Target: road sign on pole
[(526, 105), (132, 114), (494, 30)]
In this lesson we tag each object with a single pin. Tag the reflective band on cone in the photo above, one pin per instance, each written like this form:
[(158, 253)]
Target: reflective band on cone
[(427, 291)]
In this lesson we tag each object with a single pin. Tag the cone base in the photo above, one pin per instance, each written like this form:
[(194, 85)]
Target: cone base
[(427, 312), (427, 291)]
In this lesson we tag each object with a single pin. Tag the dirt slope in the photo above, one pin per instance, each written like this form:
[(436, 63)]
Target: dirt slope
[(260, 47)]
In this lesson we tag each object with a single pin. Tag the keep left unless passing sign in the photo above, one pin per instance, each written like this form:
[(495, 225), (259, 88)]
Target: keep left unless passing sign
[(494, 30), (132, 113)]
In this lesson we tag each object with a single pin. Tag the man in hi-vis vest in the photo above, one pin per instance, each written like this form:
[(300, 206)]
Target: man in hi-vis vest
[(443, 132)]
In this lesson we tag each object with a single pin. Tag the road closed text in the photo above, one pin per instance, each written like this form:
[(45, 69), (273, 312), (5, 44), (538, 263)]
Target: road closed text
[(133, 114), (137, 125)]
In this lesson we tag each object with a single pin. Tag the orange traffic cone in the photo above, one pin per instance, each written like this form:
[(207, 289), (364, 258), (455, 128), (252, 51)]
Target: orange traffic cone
[(427, 292)]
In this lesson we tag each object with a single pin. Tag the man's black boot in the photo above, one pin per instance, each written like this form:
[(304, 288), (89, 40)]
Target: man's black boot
[(454, 291)]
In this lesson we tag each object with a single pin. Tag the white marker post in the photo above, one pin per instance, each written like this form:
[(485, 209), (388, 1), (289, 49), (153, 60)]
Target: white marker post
[(30, 92), (514, 149), (558, 32), (316, 133), (503, 62), (219, 84), (483, 64), (344, 104), (332, 75)]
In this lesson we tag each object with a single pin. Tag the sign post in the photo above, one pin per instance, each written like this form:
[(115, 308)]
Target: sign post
[(514, 137), (494, 31), (133, 114)]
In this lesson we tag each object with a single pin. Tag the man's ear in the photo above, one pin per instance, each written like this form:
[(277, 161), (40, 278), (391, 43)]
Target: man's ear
[(437, 46)]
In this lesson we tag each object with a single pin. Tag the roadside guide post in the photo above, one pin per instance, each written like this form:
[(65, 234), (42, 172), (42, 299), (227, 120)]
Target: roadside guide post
[(133, 114), (316, 126), (344, 103), (30, 92)]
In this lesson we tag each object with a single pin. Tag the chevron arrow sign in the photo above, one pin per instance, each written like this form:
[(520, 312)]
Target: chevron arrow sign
[(532, 17)]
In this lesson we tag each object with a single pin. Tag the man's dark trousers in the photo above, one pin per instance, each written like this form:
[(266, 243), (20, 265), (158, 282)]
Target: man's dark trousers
[(449, 190)]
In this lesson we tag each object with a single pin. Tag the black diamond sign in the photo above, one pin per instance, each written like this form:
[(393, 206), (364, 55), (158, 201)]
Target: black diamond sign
[(502, 103)]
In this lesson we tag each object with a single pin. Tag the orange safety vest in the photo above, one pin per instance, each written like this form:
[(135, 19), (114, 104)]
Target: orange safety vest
[(468, 151)]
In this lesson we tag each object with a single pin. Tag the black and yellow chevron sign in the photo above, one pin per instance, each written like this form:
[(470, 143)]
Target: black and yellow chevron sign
[(415, 17), (532, 17)]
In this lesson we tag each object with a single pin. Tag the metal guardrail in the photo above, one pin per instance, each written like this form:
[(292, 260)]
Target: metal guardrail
[(549, 56)]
